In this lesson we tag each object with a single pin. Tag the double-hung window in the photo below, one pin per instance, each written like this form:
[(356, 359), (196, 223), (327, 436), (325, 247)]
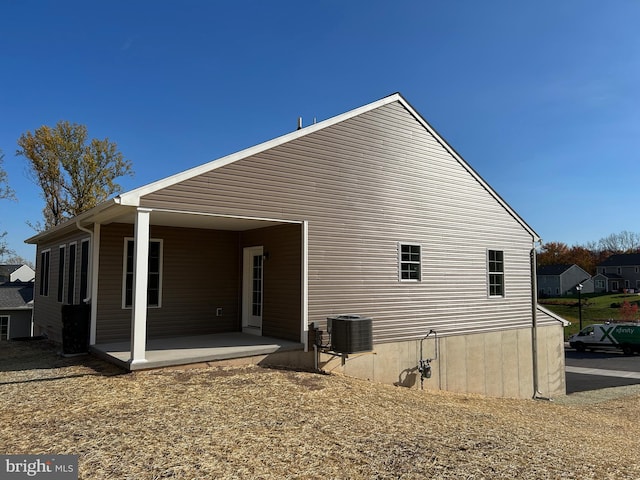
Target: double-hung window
[(84, 269), (71, 277), (4, 327), (410, 258), (61, 263), (495, 263), (154, 279), (45, 257)]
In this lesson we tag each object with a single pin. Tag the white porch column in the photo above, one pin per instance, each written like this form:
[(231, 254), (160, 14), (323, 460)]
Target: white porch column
[(93, 276), (304, 328), (140, 280)]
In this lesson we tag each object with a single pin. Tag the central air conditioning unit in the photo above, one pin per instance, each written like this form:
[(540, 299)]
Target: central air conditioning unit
[(350, 333)]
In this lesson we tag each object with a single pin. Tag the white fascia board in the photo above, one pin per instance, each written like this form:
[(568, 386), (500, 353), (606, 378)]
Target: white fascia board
[(132, 197), (71, 223), (555, 316), (469, 168)]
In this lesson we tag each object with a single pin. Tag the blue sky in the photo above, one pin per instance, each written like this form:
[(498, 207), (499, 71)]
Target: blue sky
[(541, 98)]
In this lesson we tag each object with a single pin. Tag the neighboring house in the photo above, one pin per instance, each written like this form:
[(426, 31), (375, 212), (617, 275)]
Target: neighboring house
[(16, 310), (370, 212), (621, 272), (559, 280), (16, 273), (602, 282)]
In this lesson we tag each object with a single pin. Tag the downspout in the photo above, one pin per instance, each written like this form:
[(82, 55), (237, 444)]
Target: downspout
[(534, 326)]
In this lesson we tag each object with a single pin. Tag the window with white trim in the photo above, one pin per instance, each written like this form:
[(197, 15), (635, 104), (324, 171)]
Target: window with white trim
[(71, 276), (61, 260), (410, 258), (45, 257), (495, 264), (84, 269), (154, 280), (4, 327)]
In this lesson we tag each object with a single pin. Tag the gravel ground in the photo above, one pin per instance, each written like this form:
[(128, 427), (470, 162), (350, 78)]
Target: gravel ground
[(250, 422)]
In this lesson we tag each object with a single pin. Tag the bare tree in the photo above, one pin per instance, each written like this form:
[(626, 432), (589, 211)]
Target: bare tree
[(623, 242)]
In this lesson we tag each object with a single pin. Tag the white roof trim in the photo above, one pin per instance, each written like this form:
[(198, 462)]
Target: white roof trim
[(70, 223), (133, 197), (555, 316)]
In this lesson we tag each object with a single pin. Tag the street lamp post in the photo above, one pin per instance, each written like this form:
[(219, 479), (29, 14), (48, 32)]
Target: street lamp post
[(579, 289)]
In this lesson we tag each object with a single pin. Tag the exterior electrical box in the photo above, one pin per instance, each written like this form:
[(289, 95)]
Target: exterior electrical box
[(350, 333)]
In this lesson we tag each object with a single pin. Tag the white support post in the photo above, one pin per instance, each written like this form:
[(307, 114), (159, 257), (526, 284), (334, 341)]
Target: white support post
[(93, 276), (140, 280), (304, 330)]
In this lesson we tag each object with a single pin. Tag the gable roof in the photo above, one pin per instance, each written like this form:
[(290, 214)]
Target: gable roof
[(16, 295), (132, 198), (611, 276), (552, 269), (8, 269), (621, 260)]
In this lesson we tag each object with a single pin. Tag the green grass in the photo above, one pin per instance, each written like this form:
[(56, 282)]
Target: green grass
[(595, 308)]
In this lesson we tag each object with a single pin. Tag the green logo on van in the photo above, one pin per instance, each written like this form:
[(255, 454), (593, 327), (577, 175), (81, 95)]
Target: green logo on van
[(606, 334)]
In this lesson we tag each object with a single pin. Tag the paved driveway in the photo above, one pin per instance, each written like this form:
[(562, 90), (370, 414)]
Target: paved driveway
[(601, 369)]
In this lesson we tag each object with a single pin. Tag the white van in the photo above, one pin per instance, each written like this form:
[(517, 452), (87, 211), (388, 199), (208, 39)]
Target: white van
[(625, 336)]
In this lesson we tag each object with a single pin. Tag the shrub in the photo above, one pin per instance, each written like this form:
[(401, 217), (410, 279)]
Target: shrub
[(629, 312)]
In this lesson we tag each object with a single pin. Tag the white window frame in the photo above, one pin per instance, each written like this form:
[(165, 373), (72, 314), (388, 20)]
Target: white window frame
[(72, 292), (86, 242), (401, 262), (8, 318), (124, 272), (43, 287), (491, 272), (62, 262)]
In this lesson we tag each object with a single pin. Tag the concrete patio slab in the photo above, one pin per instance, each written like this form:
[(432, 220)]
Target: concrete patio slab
[(164, 352)]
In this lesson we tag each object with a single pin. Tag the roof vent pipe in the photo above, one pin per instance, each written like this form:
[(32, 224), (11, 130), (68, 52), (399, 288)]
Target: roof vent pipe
[(299, 123)]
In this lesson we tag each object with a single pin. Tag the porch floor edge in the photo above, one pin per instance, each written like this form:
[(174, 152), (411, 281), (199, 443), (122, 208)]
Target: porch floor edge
[(174, 351)]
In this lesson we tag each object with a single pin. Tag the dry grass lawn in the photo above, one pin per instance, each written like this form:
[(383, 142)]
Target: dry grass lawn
[(265, 424)]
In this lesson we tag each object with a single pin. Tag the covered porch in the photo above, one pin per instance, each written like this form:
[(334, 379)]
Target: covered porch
[(164, 352), (216, 287)]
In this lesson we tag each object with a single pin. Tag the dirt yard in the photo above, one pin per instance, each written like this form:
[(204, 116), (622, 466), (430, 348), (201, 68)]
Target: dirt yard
[(254, 423)]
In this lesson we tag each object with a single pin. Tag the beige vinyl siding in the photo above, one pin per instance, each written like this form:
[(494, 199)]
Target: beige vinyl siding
[(47, 310), (364, 185), (199, 275)]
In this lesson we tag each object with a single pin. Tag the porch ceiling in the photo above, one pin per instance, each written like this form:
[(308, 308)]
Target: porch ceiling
[(195, 220)]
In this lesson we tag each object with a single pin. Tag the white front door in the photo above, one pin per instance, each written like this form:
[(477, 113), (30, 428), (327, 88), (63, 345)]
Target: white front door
[(252, 289)]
